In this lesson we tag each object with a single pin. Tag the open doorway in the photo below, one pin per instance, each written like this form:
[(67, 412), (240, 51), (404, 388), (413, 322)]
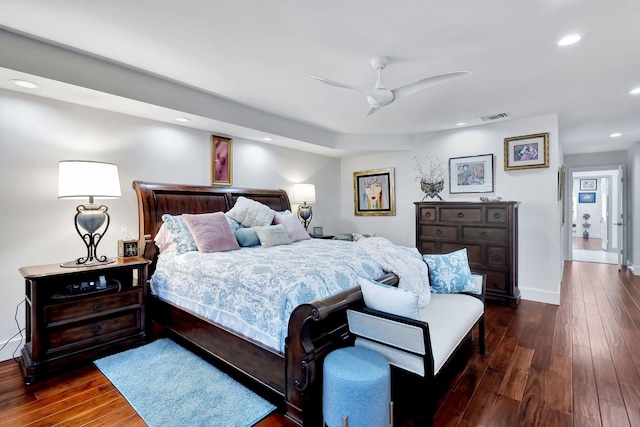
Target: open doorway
[(595, 214)]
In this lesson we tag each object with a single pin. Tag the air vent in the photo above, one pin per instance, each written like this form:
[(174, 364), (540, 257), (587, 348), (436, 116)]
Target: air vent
[(494, 117)]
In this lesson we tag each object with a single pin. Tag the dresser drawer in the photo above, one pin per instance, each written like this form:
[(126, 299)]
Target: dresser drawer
[(427, 214), (427, 247), (497, 215), (497, 255), (439, 231), (497, 282), (461, 214), (90, 332), (474, 252), (485, 234), (90, 306)]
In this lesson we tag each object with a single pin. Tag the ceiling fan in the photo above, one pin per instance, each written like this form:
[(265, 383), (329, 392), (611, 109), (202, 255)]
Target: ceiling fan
[(380, 96)]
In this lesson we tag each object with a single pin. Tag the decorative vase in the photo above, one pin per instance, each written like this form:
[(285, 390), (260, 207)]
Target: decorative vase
[(432, 189)]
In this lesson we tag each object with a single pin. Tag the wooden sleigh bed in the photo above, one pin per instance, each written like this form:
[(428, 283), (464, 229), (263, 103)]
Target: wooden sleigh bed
[(314, 329)]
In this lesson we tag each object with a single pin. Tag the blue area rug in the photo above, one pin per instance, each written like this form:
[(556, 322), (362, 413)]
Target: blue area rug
[(168, 385)]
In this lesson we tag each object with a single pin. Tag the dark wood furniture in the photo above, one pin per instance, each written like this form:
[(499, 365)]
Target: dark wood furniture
[(314, 329), (489, 231), (66, 326)]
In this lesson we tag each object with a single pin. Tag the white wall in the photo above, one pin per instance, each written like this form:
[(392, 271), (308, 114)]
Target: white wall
[(540, 228), (36, 133), (632, 214)]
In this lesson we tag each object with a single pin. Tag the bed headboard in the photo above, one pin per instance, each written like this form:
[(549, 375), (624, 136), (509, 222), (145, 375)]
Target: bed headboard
[(155, 200)]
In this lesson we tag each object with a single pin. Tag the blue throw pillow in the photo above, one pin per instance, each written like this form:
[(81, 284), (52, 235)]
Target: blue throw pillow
[(247, 237), (180, 233), (450, 273)]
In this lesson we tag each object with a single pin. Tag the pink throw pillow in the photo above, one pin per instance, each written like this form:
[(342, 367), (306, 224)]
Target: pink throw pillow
[(294, 227), (211, 232)]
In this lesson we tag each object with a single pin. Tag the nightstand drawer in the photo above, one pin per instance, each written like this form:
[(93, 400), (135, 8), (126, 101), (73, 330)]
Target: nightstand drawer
[(90, 332), (90, 306)]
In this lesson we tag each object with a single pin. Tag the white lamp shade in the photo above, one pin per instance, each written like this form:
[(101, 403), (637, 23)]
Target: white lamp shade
[(79, 179), (304, 193)]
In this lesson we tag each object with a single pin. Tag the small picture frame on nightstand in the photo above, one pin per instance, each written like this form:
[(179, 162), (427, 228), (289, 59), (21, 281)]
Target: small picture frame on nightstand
[(128, 248), (318, 231)]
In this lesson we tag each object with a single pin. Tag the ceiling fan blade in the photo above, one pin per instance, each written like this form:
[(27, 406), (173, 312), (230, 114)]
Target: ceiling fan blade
[(421, 84), (372, 109), (338, 84)]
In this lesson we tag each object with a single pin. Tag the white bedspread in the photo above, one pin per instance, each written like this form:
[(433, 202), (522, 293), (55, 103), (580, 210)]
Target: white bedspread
[(406, 263)]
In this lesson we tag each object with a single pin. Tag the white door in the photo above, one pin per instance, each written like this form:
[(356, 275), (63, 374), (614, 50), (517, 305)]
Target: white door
[(619, 220), (604, 217)]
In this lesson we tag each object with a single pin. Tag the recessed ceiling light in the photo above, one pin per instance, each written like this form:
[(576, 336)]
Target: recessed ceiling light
[(182, 119), (266, 138), (615, 135), (568, 40), (24, 83), (461, 123), (635, 91)]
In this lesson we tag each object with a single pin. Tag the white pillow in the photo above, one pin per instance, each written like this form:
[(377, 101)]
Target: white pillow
[(389, 299), (273, 235), (163, 239), (250, 213)]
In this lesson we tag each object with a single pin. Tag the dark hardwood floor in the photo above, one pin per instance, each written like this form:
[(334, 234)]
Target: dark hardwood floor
[(576, 364)]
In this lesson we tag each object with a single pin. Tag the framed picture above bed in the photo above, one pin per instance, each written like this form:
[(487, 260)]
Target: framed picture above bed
[(221, 160), (374, 193)]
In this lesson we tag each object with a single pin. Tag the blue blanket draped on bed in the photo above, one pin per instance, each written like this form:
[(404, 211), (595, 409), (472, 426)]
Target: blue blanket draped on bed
[(254, 290)]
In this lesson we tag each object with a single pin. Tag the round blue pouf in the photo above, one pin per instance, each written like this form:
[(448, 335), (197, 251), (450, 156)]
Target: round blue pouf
[(356, 383)]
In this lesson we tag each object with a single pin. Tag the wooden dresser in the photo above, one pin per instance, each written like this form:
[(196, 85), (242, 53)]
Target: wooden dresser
[(489, 231)]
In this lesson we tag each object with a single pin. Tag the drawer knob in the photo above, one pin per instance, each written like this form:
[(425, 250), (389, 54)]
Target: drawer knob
[(96, 329), (97, 306), (428, 214), (460, 214), (496, 215), (438, 231), (483, 234)]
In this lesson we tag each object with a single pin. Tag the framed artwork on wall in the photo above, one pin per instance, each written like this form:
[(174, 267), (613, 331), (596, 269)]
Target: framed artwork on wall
[(221, 160), (471, 174), (586, 197), (588, 184), (526, 152), (374, 193)]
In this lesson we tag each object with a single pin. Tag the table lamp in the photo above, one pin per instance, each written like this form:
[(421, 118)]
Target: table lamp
[(79, 179), (304, 193)]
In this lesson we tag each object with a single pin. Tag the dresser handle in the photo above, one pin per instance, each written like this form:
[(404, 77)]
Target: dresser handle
[(483, 234), (96, 329), (496, 215), (97, 306), (460, 214), (438, 231), (428, 214)]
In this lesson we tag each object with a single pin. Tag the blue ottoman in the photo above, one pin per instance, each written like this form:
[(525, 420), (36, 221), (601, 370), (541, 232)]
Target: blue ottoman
[(356, 384)]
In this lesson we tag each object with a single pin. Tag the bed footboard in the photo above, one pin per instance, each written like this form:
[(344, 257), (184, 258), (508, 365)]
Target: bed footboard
[(315, 329)]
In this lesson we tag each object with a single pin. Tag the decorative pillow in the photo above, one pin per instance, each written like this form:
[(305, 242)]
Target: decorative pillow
[(450, 273), (389, 299), (180, 233), (163, 239), (273, 235), (211, 232), (358, 236), (293, 226), (250, 213), (235, 225), (247, 237)]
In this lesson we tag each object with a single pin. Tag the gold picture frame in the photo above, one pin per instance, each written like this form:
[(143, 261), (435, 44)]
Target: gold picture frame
[(374, 192), (526, 152), (221, 160)]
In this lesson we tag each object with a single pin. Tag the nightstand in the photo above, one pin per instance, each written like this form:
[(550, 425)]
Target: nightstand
[(75, 315), (323, 236)]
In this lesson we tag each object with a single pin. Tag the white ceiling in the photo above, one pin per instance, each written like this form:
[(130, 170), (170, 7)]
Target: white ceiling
[(260, 54)]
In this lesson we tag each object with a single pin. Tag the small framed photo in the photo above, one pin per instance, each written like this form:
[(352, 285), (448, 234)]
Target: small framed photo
[(586, 197), (373, 192), (588, 184), (127, 248), (318, 231), (526, 152), (221, 160), (472, 174)]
